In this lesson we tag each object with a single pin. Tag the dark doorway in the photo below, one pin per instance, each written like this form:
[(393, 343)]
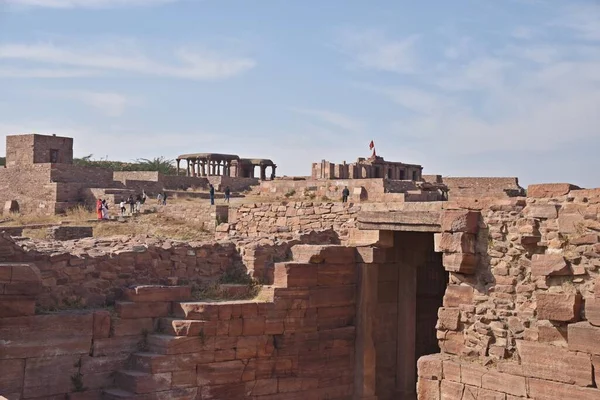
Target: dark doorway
[(53, 156), (410, 289)]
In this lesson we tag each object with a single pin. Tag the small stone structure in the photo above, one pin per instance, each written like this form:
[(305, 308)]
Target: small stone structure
[(373, 167), (215, 164)]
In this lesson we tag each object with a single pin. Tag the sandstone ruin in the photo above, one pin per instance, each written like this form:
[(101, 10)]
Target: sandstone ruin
[(436, 288)]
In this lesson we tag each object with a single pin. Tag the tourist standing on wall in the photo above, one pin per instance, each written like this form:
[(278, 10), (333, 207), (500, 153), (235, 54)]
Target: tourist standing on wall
[(122, 206), (227, 194), (345, 194), (138, 203), (212, 194), (159, 199), (164, 198), (99, 208), (131, 204)]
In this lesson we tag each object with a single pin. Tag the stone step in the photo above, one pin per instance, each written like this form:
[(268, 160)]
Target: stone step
[(142, 382), (149, 309), (156, 363), (168, 345), (153, 293), (172, 394), (187, 327)]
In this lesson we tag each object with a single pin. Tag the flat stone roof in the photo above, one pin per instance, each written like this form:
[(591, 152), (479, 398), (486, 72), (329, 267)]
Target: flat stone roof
[(257, 161), (211, 156)]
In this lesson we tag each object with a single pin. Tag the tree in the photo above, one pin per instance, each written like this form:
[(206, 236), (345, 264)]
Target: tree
[(160, 164)]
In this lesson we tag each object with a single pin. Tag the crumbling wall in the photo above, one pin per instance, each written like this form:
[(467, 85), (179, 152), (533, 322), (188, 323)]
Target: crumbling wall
[(30, 186), (483, 187), (520, 314), (91, 272), (158, 344)]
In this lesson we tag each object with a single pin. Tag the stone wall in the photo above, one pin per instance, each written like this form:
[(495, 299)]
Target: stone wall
[(30, 186), (483, 187), (34, 149), (198, 211), (271, 218), (520, 313), (299, 344), (92, 272), (70, 232)]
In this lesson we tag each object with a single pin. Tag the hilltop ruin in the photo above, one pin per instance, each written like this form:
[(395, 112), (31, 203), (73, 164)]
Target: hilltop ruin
[(433, 288)]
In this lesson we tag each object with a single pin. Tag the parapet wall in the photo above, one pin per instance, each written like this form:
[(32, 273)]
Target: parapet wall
[(483, 187)]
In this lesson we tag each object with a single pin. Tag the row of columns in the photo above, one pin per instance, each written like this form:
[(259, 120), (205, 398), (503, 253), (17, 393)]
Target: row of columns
[(197, 167)]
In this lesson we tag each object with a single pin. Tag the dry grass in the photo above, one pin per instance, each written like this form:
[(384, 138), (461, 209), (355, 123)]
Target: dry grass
[(215, 292), (155, 225), (77, 214), (36, 233)]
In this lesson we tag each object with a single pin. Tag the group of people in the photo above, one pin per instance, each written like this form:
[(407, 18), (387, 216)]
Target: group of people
[(135, 205)]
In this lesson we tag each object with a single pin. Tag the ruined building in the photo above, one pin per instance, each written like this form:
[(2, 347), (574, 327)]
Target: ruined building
[(373, 167)]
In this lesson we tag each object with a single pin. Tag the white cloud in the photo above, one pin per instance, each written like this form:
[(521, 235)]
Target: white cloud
[(581, 18), (59, 61), (108, 103), (332, 118), (62, 4), (373, 50)]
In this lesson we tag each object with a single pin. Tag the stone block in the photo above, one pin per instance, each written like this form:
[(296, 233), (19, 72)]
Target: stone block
[(157, 293), (182, 327), (428, 389), (592, 310), (116, 345), (336, 274), (511, 384), (552, 333), (219, 373), (318, 254), (97, 365), (471, 373), (570, 223), (11, 378), (548, 390), (102, 322), (196, 310), (558, 307), (554, 363), (460, 221), (374, 255), (451, 370), (46, 376), (451, 390), (548, 190), (169, 345), (141, 382), (295, 275), (597, 288), (253, 326), (448, 319), (463, 263), (155, 363), (585, 239), (458, 242), (142, 309), (584, 337), (332, 296), (40, 327), (430, 367), (596, 365), (456, 295), (547, 211), (131, 326), (16, 306), (549, 265)]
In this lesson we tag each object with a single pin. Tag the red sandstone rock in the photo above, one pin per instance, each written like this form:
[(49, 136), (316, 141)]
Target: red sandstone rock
[(155, 363), (463, 263), (428, 389), (471, 374), (592, 311), (131, 326), (558, 307), (457, 295), (548, 211), (221, 373), (11, 378), (317, 254), (549, 265), (451, 390), (141, 382), (158, 293), (101, 322), (47, 376), (458, 242), (548, 390), (597, 288), (549, 190), (570, 223), (116, 345), (16, 306), (550, 362), (511, 384), (142, 309), (585, 239), (448, 319), (430, 367), (332, 296), (182, 327), (168, 345), (584, 337), (196, 310), (460, 221), (295, 275)]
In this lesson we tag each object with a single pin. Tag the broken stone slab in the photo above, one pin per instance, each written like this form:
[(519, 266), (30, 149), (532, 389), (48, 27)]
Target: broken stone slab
[(548, 190), (548, 211), (549, 265), (592, 310), (458, 242), (583, 336), (558, 307)]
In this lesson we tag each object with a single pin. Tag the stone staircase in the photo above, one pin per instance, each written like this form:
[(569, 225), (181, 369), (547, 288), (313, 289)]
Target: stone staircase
[(165, 367)]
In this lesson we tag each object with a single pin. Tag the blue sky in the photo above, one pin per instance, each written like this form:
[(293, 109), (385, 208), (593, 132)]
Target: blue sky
[(465, 87)]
